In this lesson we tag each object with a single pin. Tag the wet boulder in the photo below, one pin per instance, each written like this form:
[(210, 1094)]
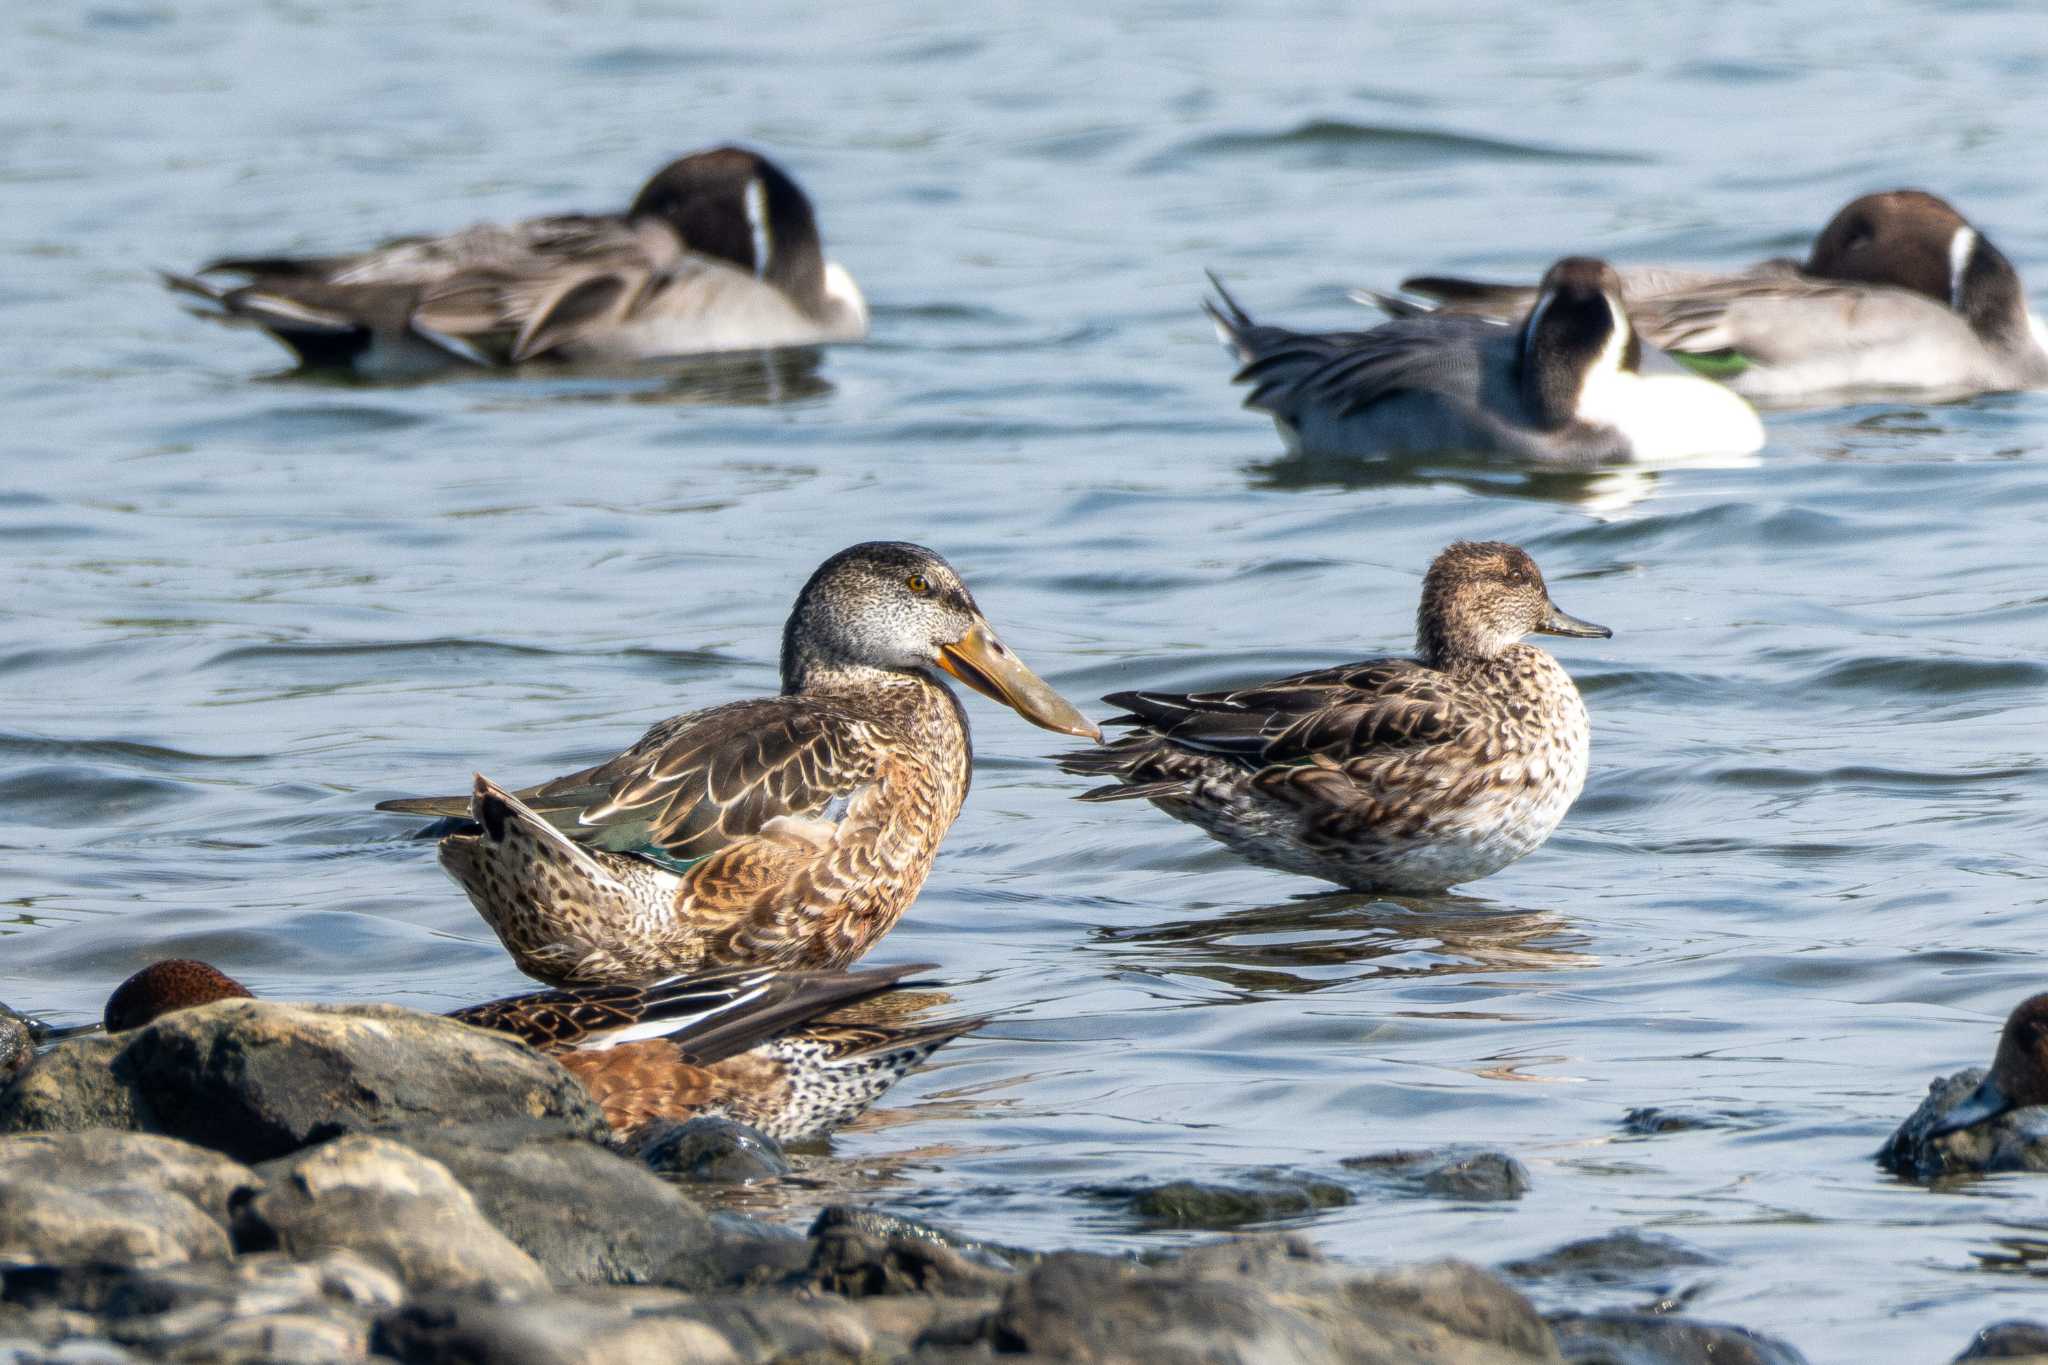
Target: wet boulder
[(17, 1044), (1445, 1173), (2014, 1340), (257, 1079), (1264, 1299), (1654, 1339), (1627, 1263), (1262, 1197), (710, 1149)]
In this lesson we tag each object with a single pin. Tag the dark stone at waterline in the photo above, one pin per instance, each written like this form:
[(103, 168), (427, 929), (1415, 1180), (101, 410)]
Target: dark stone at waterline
[(1446, 1173), (886, 1226), (257, 1079), (1263, 1299), (1640, 1263), (585, 1213), (1654, 1339), (853, 1259), (17, 1044), (2016, 1141), (2015, 1340), (708, 1148), (1203, 1204)]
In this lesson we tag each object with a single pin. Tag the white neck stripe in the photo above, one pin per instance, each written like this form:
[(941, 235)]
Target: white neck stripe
[(1961, 248), (757, 218)]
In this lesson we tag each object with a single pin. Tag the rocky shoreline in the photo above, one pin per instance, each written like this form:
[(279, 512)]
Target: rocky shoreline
[(252, 1181)]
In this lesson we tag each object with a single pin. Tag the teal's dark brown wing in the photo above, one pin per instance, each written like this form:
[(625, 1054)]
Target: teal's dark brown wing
[(708, 1016), (699, 783)]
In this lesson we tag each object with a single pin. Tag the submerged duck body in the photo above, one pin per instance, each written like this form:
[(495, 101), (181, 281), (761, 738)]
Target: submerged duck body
[(1570, 383), (1899, 293), (778, 1050), (719, 252), (1979, 1121), (1396, 774), (788, 831)]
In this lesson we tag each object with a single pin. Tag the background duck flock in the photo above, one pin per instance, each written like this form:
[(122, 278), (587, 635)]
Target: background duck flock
[(943, 762)]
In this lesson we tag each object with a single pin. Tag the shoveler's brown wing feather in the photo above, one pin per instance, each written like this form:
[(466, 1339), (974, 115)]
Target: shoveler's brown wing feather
[(1334, 714), (700, 783)]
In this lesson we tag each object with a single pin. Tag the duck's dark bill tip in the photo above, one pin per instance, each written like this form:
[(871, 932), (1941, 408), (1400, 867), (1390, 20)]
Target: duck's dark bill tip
[(1563, 623), (1981, 1105)]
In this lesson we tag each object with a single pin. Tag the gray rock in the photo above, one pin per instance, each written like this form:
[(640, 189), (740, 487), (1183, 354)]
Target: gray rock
[(1639, 1265), (887, 1226), (744, 1253), (1446, 1173), (263, 1307), (2014, 1340), (257, 1079), (551, 1331), (857, 1260), (120, 1224), (1261, 1300), (708, 1148), (391, 1205), (2016, 1141), (585, 1213), (1264, 1198), (1653, 1339), (102, 1156), (71, 1088)]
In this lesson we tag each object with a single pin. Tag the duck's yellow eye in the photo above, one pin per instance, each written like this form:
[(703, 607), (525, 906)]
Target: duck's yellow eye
[(917, 584)]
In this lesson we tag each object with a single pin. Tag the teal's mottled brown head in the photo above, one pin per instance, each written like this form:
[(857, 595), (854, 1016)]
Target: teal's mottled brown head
[(176, 983)]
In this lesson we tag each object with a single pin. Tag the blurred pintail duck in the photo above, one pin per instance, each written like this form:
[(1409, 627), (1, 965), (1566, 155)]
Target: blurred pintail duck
[(1570, 383), (791, 830), (1899, 293), (719, 252), (777, 1050), (1394, 774)]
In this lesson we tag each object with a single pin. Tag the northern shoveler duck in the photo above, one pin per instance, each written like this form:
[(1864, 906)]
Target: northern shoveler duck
[(1900, 292), (1571, 384), (1400, 774), (773, 1049), (784, 831), (719, 252)]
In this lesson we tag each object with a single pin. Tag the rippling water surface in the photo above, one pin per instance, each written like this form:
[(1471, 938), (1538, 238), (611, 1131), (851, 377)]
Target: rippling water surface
[(1807, 872)]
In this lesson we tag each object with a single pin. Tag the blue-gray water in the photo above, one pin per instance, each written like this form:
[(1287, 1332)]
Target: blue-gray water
[(1807, 870)]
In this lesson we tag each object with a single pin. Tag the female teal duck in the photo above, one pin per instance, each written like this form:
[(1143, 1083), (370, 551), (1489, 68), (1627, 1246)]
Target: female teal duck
[(785, 831), (788, 1052), (1389, 775)]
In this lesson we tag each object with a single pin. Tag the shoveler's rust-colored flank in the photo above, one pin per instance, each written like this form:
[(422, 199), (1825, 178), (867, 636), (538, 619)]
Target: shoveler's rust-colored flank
[(789, 831), (1394, 774)]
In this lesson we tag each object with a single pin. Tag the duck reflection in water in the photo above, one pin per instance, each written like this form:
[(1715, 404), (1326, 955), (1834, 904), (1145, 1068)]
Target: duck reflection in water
[(1312, 943), (1604, 491)]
